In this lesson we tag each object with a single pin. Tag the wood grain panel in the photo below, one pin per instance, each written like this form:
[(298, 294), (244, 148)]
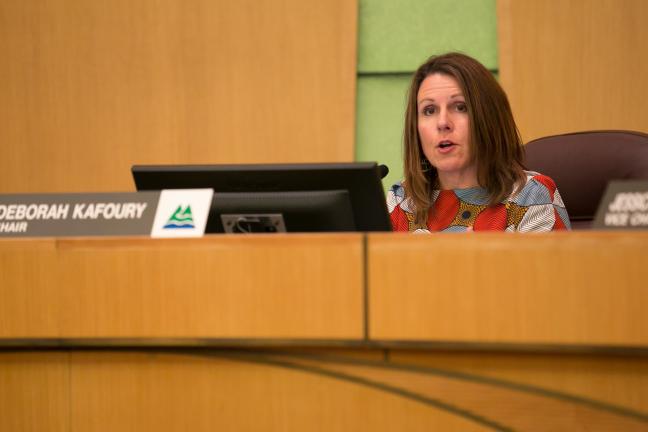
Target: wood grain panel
[(501, 404), (617, 380), (28, 287), (90, 88), (34, 392), (110, 391), (135, 392), (292, 286), (558, 288), (321, 390), (574, 65)]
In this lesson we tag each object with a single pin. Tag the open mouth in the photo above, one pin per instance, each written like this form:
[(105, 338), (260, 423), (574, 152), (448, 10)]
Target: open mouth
[(445, 144)]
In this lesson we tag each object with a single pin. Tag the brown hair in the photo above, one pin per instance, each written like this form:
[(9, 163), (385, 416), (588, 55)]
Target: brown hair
[(495, 141)]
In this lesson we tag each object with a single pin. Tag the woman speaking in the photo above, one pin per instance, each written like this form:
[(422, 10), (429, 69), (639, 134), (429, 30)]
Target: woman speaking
[(464, 158)]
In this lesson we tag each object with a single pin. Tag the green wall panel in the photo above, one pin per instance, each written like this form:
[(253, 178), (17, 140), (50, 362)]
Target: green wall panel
[(380, 116), (398, 35)]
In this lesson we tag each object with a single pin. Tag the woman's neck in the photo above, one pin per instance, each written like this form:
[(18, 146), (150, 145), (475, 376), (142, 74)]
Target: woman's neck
[(460, 180)]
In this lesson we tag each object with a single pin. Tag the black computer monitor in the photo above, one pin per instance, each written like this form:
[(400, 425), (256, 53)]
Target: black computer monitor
[(281, 197)]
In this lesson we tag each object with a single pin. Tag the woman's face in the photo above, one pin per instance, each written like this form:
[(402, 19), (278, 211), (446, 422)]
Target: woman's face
[(444, 131)]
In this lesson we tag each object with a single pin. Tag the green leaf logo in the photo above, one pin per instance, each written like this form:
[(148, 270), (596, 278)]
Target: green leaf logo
[(181, 218)]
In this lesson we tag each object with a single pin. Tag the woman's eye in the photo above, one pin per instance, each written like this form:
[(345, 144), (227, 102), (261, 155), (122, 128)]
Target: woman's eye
[(461, 107), (428, 110)]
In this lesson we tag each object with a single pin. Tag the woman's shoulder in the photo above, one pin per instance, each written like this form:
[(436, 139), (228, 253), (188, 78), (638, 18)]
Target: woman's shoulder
[(537, 179), (538, 189), (396, 198), (539, 205)]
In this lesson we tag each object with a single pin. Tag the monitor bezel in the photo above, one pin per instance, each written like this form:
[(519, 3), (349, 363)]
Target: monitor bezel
[(361, 179)]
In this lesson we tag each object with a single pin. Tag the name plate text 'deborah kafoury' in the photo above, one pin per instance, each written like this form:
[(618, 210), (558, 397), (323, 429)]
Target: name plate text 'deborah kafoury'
[(167, 213)]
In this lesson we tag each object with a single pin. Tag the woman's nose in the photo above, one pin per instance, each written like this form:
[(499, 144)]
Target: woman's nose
[(443, 121)]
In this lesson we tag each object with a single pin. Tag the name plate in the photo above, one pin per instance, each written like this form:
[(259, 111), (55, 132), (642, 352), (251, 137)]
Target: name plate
[(167, 213), (624, 206)]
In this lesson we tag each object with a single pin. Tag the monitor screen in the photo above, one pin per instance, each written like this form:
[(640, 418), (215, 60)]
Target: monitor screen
[(281, 197)]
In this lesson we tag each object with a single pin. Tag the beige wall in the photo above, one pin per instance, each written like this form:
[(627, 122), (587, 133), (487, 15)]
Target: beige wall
[(574, 65), (89, 88)]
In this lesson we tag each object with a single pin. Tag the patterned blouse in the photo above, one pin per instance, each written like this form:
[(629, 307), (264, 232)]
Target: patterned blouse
[(537, 207)]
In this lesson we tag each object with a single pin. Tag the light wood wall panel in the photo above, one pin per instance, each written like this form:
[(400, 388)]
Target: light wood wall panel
[(292, 287), (90, 88), (574, 65)]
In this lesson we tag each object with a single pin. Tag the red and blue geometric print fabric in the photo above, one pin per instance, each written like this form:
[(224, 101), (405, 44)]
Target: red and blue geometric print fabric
[(537, 207)]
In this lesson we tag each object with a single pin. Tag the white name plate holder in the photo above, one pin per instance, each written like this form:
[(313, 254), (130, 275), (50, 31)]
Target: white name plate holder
[(624, 206), (167, 213)]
